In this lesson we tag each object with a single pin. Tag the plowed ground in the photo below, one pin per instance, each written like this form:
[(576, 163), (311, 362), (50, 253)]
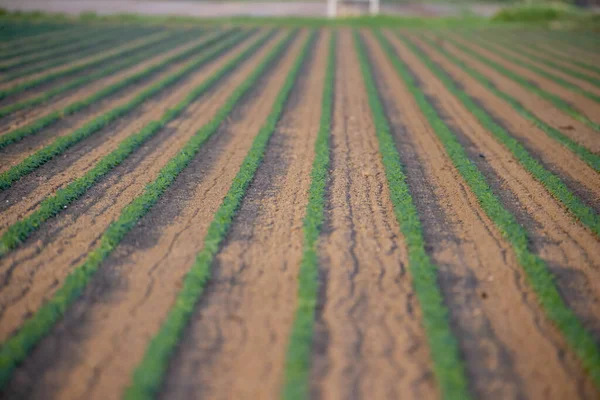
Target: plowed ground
[(167, 253)]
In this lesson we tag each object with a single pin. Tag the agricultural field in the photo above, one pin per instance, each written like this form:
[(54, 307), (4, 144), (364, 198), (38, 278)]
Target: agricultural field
[(262, 212)]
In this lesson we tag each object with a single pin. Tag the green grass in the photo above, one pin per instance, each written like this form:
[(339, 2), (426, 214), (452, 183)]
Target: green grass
[(539, 277), (57, 147), (297, 364), (135, 56), (51, 206), (545, 59), (534, 68), (149, 374), (553, 184), (15, 350), (447, 364), (593, 160), (555, 100)]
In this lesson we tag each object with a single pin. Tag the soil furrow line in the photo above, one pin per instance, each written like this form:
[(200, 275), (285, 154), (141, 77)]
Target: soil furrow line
[(587, 106), (583, 180), (534, 198), (482, 281), (30, 274), (375, 347), (251, 298)]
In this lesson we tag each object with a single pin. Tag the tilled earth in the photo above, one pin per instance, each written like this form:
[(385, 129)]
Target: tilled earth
[(475, 118)]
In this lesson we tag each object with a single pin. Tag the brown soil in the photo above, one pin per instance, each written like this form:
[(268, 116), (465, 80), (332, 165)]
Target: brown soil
[(51, 105), (581, 178), (569, 249), (139, 283), (371, 322), (243, 322), (543, 109), (585, 105), (481, 279), (64, 241), (25, 195), (17, 152)]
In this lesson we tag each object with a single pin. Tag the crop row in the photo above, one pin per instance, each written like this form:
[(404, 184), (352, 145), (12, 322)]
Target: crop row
[(536, 270), (16, 349), (151, 47), (557, 101), (51, 206)]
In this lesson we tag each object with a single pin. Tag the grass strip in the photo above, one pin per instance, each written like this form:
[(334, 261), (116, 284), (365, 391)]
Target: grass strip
[(16, 349), (95, 38), (447, 364), (500, 50), (47, 44), (546, 59), (137, 56), (593, 160), (49, 207), (555, 100), (553, 184), (298, 357), (48, 78), (102, 45), (149, 374), (539, 277), (8, 177)]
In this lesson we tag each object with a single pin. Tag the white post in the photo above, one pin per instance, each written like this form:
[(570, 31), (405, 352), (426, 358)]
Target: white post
[(331, 8), (374, 7)]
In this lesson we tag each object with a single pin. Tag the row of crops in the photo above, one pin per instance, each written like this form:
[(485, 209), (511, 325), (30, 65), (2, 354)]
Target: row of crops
[(45, 63)]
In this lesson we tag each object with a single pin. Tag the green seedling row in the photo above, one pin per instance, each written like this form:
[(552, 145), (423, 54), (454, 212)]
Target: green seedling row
[(16, 349), (21, 230), (539, 277), (555, 100), (448, 366), (593, 160), (135, 56), (150, 373), (298, 357), (33, 161), (553, 184)]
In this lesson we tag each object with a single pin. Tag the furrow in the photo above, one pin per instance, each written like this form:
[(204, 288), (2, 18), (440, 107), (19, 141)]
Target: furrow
[(257, 265), (372, 324)]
